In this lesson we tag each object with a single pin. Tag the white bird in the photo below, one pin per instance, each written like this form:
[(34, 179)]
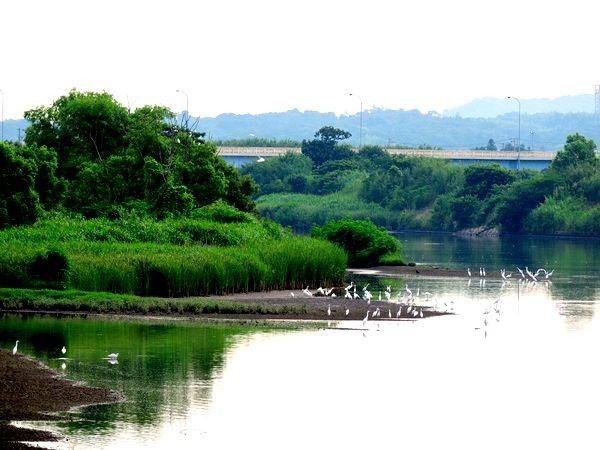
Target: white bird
[(549, 274), (113, 355), (63, 350), (521, 272), (421, 312), (408, 290), (292, 294), (469, 271), (366, 318), (390, 313), (329, 309), (480, 272), (483, 269), (320, 291), (260, 159), (399, 313), (15, 347), (347, 311), (307, 292)]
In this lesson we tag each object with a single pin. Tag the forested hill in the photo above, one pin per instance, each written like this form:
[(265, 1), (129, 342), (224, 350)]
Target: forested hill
[(384, 127)]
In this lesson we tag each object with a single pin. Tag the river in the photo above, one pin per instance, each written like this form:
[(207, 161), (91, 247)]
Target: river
[(523, 377)]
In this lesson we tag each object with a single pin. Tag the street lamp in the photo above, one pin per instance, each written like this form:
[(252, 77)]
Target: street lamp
[(361, 110), (187, 102), (519, 138)]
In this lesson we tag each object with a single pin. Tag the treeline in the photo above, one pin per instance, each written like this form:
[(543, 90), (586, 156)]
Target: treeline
[(87, 154), (329, 181)]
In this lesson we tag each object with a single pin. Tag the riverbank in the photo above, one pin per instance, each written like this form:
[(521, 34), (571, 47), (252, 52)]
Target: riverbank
[(276, 304), (31, 391)]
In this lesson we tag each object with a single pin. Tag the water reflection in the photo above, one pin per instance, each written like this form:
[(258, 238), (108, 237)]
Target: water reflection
[(513, 368)]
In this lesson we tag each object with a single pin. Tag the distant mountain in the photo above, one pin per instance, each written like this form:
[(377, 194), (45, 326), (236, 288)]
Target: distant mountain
[(385, 127), (488, 107)]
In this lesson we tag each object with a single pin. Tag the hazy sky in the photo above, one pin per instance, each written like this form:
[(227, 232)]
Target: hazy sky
[(254, 56)]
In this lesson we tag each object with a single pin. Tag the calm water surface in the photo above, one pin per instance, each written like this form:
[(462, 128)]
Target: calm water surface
[(527, 379)]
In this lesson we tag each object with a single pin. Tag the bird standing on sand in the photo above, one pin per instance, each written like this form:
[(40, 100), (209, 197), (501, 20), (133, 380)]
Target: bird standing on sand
[(366, 318), (15, 347)]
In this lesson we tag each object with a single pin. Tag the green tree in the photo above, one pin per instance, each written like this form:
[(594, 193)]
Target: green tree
[(578, 151), (19, 203), (481, 179), (80, 127), (326, 147), (364, 242)]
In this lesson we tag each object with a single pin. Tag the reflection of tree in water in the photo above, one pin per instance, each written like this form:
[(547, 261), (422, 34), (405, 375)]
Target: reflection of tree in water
[(157, 362)]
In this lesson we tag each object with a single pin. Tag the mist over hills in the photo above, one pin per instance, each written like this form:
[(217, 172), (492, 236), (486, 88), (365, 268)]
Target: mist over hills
[(413, 128), (488, 107)]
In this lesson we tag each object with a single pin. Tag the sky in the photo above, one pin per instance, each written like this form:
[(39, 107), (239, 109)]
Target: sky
[(257, 56)]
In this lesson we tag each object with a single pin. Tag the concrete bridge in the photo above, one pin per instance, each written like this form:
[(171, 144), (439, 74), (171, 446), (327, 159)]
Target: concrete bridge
[(526, 159)]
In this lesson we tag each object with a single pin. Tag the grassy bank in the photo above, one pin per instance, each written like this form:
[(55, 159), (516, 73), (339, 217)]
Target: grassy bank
[(106, 303), (165, 259)]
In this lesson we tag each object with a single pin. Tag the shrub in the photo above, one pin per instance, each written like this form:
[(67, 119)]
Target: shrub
[(50, 268), (364, 242)]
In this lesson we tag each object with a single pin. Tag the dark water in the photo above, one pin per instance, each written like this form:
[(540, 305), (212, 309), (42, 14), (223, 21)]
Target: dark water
[(521, 378)]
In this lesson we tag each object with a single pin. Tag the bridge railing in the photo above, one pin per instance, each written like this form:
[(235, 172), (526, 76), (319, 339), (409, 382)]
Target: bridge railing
[(531, 155)]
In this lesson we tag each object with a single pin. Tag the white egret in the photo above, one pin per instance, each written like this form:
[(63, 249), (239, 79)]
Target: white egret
[(113, 355), (15, 347), (483, 269), (480, 272), (421, 313), (260, 159), (63, 350), (320, 291), (307, 292), (389, 313), (329, 309), (469, 271), (366, 318), (347, 311), (292, 294), (399, 313)]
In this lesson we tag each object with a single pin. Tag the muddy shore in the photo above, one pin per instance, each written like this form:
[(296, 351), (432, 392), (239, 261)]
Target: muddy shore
[(31, 391)]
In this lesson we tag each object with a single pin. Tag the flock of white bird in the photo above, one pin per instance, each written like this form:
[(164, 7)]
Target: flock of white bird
[(411, 305), (405, 303)]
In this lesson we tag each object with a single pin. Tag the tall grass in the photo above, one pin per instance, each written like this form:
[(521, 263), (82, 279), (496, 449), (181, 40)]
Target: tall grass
[(165, 259)]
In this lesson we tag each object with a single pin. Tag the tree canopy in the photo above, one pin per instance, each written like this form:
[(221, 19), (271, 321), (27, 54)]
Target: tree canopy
[(88, 154)]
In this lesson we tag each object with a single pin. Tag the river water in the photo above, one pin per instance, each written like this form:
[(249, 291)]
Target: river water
[(523, 377)]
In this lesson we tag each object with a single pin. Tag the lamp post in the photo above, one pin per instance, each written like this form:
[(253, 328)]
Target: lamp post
[(360, 129), (531, 146), (187, 103), (519, 138)]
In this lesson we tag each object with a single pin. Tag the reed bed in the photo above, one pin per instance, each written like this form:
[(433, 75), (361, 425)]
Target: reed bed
[(122, 258)]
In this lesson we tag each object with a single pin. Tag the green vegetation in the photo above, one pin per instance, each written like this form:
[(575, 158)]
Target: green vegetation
[(89, 155), (364, 242), (102, 199), (107, 303), (399, 192), (171, 258)]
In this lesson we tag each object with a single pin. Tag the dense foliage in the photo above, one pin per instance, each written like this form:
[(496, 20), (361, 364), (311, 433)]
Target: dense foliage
[(88, 154), (400, 192), (364, 242), (170, 258)]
